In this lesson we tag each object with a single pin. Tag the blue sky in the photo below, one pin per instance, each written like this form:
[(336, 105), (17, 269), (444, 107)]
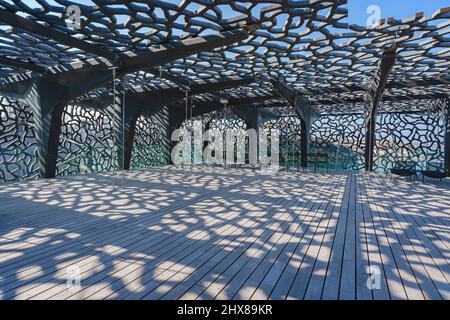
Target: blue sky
[(357, 8), (393, 8)]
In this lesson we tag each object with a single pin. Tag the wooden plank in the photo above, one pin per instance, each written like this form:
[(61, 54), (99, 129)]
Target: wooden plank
[(424, 255), (347, 289), (300, 235), (249, 277), (116, 249), (158, 245), (423, 217), (385, 261), (232, 221), (406, 251), (407, 275), (374, 258), (285, 284), (207, 290), (315, 283), (332, 281), (189, 260), (363, 264)]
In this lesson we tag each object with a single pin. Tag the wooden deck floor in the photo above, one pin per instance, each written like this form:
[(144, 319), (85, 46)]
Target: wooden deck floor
[(231, 234)]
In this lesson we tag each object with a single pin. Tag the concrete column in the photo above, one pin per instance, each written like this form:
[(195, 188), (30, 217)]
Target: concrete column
[(47, 101), (304, 141), (371, 122)]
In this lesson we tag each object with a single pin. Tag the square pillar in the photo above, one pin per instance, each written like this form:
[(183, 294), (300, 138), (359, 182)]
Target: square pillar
[(304, 141), (371, 122)]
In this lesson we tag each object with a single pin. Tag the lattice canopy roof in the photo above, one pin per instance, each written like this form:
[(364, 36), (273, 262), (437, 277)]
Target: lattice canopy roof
[(307, 44)]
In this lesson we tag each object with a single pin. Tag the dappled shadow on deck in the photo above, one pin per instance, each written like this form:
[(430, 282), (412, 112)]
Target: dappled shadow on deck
[(223, 234)]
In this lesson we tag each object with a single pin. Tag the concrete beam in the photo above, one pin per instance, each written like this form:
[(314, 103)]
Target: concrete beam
[(207, 106), (398, 97), (22, 65), (83, 77), (253, 116), (405, 84), (150, 99), (16, 90), (252, 98), (184, 48), (300, 104), (220, 85), (168, 76), (178, 111), (32, 27), (305, 111)]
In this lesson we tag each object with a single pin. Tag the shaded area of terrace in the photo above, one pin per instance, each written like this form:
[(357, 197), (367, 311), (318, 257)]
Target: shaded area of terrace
[(222, 236)]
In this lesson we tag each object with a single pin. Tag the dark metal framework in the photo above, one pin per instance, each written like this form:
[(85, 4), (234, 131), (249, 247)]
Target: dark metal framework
[(260, 57)]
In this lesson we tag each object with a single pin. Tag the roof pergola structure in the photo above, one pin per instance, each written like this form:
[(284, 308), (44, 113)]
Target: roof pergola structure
[(234, 232), (281, 52), (340, 68)]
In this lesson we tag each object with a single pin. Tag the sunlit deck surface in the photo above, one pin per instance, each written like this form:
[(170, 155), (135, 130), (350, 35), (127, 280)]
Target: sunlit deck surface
[(225, 234)]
